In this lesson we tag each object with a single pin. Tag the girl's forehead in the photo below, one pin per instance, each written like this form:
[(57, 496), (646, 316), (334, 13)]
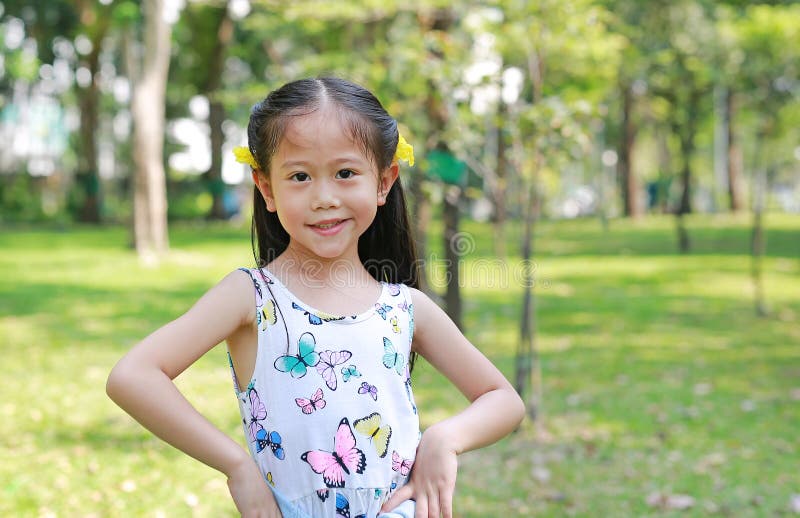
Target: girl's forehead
[(319, 136), (322, 126)]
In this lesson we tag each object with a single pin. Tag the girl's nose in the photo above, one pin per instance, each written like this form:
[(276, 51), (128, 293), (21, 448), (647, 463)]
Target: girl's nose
[(325, 196)]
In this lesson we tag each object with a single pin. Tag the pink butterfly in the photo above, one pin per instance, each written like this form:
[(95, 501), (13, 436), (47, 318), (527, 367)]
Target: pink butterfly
[(366, 388), (328, 360), (400, 464), (258, 412), (264, 277), (309, 405), (344, 458)]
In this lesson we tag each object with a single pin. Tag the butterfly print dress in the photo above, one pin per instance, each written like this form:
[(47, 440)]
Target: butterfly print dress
[(328, 415)]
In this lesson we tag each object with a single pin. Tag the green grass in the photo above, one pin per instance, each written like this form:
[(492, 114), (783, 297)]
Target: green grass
[(658, 377)]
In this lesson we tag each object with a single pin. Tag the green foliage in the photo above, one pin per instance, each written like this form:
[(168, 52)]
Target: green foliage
[(575, 57), (19, 199)]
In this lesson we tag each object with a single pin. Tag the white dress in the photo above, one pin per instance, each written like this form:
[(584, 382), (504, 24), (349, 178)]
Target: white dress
[(329, 416)]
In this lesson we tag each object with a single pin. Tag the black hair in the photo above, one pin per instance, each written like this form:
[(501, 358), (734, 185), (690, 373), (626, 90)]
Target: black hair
[(386, 248)]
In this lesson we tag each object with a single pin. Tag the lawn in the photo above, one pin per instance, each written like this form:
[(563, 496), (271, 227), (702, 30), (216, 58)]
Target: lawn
[(663, 393)]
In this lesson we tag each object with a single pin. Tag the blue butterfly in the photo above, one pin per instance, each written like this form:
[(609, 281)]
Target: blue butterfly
[(343, 507), (382, 309), (391, 358), (271, 439), (350, 372), (297, 365), (316, 319), (408, 393)]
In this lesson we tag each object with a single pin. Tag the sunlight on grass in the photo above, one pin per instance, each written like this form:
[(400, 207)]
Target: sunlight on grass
[(658, 377)]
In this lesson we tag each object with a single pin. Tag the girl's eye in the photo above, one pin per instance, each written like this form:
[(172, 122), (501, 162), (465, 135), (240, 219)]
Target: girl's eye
[(345, 173), (300, 177)]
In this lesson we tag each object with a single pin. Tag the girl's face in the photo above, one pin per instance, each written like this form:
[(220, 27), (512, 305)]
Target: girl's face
[(323, 186)]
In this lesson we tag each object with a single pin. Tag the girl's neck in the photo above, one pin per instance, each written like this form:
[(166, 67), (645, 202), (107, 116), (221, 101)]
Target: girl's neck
[(294, 266)]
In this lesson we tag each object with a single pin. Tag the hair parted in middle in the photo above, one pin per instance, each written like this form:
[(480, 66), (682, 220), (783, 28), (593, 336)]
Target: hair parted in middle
[(386, 248)]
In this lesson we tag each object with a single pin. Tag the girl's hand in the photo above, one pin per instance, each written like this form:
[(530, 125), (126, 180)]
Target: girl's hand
[(433, 478), (250, 493)]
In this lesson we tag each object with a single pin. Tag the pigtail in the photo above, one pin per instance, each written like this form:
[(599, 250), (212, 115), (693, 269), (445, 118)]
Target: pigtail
[(268, 238)]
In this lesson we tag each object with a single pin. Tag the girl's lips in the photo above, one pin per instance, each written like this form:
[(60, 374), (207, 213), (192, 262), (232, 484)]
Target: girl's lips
[(328, 228)]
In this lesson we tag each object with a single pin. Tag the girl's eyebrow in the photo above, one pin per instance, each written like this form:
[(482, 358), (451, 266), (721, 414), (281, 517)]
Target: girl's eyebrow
[(293, 163), (347, 159)]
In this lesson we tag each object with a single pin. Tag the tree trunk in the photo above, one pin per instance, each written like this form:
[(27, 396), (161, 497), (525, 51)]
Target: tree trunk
[(441, 21), (500, 187), (687, 149), (664, 171), (450, 218), (527, 363), (148, 106), (734, 161), (628, 181), (88, 176), (420, 221), (686, 133), (216, 115), (216, 186), (757, 242)]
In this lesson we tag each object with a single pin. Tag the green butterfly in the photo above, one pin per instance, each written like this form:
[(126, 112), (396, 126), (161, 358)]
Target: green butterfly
[(391, 358), (350, 372), (297, 365)]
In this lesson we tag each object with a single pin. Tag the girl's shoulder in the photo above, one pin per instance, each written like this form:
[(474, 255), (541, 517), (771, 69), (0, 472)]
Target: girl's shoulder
[(233, 296), (427, 313)]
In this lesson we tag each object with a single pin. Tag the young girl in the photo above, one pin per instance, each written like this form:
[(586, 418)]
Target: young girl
[(323, 332)]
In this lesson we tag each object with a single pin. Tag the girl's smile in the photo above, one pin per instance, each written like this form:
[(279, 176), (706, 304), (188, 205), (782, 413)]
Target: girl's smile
[(329, 227)]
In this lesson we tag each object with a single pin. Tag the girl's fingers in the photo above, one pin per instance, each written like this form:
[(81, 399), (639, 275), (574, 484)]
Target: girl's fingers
[(421, 510), (399, 496), (433, 506), (447, 506)]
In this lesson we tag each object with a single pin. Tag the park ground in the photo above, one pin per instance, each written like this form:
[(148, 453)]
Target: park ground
[(663, 393)]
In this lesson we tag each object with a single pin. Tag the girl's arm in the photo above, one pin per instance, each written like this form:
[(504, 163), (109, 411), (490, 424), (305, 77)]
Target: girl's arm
[(141, 383), (495, 410)]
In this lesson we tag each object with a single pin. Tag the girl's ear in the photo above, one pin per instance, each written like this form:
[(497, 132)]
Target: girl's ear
[(386, 180), (262, 183)]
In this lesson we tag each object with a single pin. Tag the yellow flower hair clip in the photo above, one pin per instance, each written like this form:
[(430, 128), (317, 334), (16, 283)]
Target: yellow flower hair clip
[(405, 151), (244, 156)]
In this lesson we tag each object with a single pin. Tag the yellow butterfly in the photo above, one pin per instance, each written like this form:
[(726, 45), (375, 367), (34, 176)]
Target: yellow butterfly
[(379, 435), (395, 326), (268, 314), (269, 478)]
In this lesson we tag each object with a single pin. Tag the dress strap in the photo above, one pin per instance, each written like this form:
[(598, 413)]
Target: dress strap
[(409, 307)]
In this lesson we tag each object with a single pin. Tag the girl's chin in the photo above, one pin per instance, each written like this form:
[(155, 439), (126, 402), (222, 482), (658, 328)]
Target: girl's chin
[(315, 251)]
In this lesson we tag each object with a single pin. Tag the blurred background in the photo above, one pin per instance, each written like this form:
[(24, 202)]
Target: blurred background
[(606, 199)]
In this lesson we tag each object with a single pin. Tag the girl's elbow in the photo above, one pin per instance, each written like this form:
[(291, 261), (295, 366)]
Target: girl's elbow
[(119, 380), (113, 382), (517, 408)]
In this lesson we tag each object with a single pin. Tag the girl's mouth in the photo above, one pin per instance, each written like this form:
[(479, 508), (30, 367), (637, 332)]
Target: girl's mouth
[(329, 227)]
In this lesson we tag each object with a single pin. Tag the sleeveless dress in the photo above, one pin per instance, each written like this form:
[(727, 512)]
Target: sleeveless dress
[(329, 415)]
